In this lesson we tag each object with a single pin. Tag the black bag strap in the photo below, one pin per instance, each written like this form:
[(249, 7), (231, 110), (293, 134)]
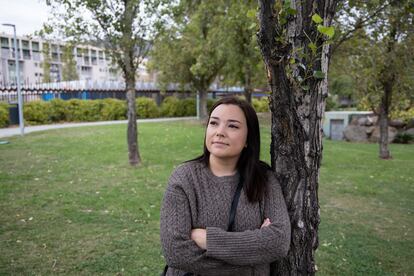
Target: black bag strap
[(232, 216), (234, 204)]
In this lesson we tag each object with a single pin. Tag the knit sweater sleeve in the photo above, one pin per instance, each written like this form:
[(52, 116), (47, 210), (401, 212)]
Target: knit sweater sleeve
[(180, 251), (257, 246)]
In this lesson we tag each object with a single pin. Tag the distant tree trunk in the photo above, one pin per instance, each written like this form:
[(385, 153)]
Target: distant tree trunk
[(202, 104), (129, 66), (387, 79), (132, 133), (296, 145), (248, 86)]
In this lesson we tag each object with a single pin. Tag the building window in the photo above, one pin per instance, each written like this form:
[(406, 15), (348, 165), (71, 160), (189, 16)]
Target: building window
[(4, 43), (35, 47), (26, 54), (25, 45)]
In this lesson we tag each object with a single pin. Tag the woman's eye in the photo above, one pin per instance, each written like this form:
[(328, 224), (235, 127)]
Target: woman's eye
[(233, 126), (213, 123)]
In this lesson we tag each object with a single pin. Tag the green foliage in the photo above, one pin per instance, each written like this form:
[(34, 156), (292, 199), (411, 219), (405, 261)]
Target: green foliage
[(146, 108), (331, 103), (58, 110), (188, 107), (173, 107), (46, 62), (403, 138), (36, 112), (405, 115), (170, 107), (69, 71), (210, 103), (190, 51), (261, 105), (4, 114), (113, 109)]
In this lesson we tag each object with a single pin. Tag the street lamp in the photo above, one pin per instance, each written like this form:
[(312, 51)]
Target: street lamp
[(19, 94)]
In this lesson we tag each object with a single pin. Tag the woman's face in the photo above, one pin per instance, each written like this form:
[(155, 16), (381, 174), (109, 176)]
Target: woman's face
[(226, 132)]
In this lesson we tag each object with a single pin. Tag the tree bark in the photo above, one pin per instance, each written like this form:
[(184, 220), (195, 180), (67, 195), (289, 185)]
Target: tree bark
[(248, 85), (296, 145), (387, 79), (132, 133), (202, 104)]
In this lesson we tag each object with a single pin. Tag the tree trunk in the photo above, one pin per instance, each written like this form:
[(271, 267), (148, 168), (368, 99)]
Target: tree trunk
[(202, 104), (384, 153), (296, 145), (248, 85), (387, 79), (132, 133)]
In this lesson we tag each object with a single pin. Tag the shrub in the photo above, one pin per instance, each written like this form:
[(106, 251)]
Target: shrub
[(58, 110), (36, 112), (188, 107), (170, 107), (84, 110), (113, 109), (210, 103), (404, 138), (405, 115), (146, 108), (261, 105), (331, 103), (4, 114)]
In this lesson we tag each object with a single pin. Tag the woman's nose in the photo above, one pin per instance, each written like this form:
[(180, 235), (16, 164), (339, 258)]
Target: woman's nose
[(220, 131)]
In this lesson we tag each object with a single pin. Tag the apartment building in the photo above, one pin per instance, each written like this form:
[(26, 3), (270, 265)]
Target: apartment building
[(92, 63)]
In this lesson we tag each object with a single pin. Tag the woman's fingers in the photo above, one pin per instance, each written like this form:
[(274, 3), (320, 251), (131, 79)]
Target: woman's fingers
[(266, 222)]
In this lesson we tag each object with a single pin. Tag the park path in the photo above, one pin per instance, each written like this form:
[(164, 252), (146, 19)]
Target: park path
[(12, 131)]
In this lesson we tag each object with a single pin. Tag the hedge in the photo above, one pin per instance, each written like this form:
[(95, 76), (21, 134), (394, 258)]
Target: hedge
[(4, 114), (261, 105), (146, 108), (76, 110)]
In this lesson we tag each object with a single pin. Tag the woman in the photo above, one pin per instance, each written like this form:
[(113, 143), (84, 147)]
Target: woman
[(196, 204)]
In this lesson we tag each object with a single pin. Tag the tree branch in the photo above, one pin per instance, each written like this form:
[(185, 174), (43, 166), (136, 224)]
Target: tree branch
[(360, 23)]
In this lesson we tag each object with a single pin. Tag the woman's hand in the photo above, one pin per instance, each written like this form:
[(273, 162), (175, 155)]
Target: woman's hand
[(199, 236), (266, 222)]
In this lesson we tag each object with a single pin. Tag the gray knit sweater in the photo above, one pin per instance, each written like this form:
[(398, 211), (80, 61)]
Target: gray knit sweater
[(196, 198)]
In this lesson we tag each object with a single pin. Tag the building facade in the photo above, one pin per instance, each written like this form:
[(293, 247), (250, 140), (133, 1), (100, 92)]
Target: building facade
[(92, 63)]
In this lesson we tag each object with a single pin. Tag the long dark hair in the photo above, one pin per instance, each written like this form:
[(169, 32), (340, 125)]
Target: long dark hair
[(253, 171)]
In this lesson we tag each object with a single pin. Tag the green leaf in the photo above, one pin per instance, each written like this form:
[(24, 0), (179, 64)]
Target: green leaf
[(313, 47), (328, 31), (291, 11), (305, 87), (292, 61), (318, 74), (317, 19), (251, 14)]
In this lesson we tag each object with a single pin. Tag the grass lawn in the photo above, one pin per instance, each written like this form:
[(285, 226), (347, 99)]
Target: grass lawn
[(71, 205)]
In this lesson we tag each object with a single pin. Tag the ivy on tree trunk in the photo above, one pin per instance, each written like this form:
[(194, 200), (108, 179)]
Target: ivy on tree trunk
[(294, 41)]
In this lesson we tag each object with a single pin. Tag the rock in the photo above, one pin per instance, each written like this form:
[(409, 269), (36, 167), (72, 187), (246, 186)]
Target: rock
[(362, 121), (354, 121), (371, 120), (374, 138), (410, 124), (397, 123), (354, 133), (410, 131), (369, 130)]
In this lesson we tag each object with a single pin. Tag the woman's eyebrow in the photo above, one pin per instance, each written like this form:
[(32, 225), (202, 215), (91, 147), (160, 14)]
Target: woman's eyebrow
[(229, 120), (233, 121)]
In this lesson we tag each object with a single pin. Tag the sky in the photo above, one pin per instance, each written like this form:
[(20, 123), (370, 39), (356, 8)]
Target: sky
[(27, 15)]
